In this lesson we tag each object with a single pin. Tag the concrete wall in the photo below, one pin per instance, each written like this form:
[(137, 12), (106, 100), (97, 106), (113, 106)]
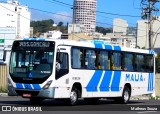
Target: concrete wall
[(3, 76), (157, 85)]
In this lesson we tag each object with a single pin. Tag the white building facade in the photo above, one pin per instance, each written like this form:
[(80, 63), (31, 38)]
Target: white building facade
[(142, 34), (15, 16), (84, 12), (14, 24), (52, 35), (120, 26), (122, 40), (76, 28), (120, 36)]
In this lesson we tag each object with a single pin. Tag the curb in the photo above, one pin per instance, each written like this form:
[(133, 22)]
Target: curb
[(3, 94), (140, 97)]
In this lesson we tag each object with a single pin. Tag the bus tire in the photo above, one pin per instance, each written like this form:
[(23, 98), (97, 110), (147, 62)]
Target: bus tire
[(125, 95), (73, 97)]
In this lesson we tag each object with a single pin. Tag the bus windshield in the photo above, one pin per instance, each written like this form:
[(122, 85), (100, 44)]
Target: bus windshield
[(31, 64)]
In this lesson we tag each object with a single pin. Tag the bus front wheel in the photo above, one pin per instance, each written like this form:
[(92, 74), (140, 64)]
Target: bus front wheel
[(73, 97)]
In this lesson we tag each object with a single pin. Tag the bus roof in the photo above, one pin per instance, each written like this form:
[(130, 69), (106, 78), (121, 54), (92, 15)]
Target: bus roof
[(90, 44)]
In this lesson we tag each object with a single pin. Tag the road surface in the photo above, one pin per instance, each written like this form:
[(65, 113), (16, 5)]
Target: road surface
[(19, 104)]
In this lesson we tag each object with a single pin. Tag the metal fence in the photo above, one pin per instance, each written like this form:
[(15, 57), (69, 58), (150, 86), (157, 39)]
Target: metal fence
[(3, 76)]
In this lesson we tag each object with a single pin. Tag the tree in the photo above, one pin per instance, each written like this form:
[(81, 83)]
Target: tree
[(104, 30), (60, 23), (42, 26)]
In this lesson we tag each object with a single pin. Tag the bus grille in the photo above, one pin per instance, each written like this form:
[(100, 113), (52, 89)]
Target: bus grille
[(21, 92)]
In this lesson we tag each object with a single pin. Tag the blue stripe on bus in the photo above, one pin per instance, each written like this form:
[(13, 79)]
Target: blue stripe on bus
[(109, 47), (35, 39), (19, 86), (150, 82), (151, 52), (118, 48), (153, 80), (25, 38), (98, 46), (93, 83), (27, 86), (41, 39), (36, 86), (116, 81), (106, 81)]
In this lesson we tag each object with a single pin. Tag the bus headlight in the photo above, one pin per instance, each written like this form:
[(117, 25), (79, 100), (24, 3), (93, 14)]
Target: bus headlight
[(46, 86)]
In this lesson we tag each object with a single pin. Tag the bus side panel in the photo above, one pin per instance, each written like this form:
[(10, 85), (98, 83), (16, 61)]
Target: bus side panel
[(103, 83), (62, 87), (66, 82), (111, 83), (141, 83), (90, 81)]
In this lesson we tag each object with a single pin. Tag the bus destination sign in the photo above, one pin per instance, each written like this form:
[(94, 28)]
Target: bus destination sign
[(34, 44)]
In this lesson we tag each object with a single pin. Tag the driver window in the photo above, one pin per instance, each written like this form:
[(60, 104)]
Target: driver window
[(62, 67)]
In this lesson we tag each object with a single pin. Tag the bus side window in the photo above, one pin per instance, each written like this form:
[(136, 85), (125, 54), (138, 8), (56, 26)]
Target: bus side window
[(77, 58), (102, 60), (97, 61), (128, 62), (116, 61), (90, 58), (149, 63)]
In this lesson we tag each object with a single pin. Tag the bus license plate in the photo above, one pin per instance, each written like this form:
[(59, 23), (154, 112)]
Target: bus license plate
[(26, 95)]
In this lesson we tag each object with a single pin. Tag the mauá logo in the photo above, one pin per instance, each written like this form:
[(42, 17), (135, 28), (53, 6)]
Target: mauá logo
[(134, 77)]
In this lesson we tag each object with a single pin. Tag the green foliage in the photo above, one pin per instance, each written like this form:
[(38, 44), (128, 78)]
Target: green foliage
[(3, 90), (47, 25), (42, 26), (60, 24), (138, 47), (158, 63), (143, 47), (104, 30)]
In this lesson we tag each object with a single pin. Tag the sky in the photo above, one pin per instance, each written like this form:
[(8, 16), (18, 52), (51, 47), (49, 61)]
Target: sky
[(122, 7)]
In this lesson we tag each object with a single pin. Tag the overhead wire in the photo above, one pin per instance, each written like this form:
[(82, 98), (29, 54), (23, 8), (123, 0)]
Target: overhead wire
[(61, 15), (125, 15), (56, 1)]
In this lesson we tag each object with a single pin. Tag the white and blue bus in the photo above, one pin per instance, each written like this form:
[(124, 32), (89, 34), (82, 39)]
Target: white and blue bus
[(61, 69)]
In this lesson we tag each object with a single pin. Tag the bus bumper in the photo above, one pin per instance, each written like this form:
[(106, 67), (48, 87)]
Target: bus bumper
[(43, 93)]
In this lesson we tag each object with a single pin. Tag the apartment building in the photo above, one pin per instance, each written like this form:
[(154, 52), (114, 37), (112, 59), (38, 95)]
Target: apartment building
[(84, 12), (16, 16)]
